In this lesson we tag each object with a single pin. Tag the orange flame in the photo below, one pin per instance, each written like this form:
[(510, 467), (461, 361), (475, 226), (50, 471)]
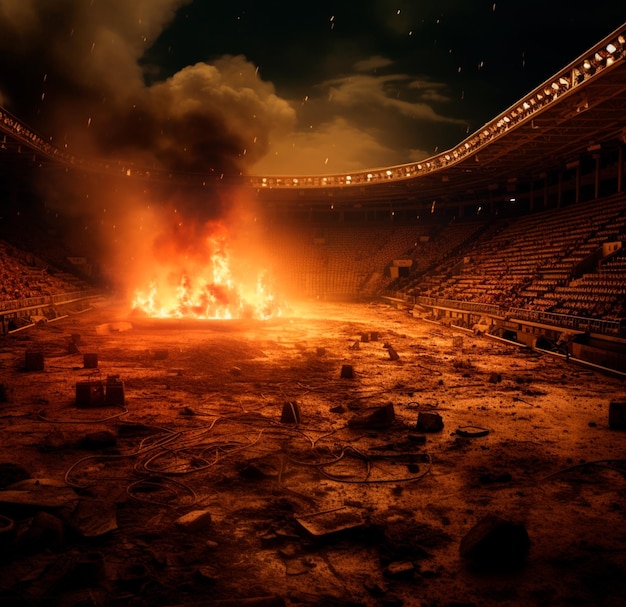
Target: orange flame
[(206, 291)]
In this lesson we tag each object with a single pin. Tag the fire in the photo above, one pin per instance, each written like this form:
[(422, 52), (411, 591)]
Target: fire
[(191, 288)]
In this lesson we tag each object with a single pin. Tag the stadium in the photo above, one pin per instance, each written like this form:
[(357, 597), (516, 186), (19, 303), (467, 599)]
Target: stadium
[(399, 386)]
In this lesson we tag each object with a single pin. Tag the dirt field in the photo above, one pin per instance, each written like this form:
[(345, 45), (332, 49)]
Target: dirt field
[(238, 463)]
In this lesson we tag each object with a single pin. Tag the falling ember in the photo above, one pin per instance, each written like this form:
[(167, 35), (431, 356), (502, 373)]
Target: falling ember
[(206, 290)]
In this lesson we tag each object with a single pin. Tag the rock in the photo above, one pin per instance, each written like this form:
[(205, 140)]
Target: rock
[(380, 417), (496, 541), (429, 422), (12, 473), (347, 372), (46, 531), (291, 413), (400, 569), (617, 415), (393, 355), (196, 520)]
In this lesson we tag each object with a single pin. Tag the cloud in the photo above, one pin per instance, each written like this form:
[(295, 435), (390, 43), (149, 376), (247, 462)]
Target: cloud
[(335, 146), (387, 92), (76, 68), (371, 64)]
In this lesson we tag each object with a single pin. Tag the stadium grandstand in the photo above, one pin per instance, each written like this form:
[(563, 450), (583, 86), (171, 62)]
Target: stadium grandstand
[(517, 231)]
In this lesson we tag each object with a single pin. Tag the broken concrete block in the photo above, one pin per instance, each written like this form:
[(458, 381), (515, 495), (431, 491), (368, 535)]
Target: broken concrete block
[(617, 414), (291, 413), (90, 360), (429, 422), (380, 417), (45, 531), (393, 355), (496, 540), (495, 378), (347, 372), (196, 520), (320, 351), (400, 569), (365, 337)]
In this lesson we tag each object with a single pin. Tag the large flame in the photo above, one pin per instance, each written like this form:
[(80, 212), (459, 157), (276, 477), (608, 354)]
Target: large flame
[(201, 285)]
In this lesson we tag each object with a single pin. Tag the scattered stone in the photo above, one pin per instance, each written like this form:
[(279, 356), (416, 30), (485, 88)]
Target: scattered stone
[(347, 372), (296, 567), (235, 371), (207, 573), (495, 378), (338, 409), (12, 473), (160, 354), (46, 531), (380, 417), (289, 551), (211, 545), (429, 422), (374, 588), (320, 351), (393, 355), (93, 518), (496, 541), (196, 520), (617, 415), (400, 569), (355, 346), (291, 413)]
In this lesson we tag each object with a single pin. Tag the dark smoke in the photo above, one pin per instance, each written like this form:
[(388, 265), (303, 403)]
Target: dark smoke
[(72, 69), (76, 72)]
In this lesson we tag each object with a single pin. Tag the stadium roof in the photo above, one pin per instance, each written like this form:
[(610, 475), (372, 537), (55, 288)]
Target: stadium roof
[(581, 109)]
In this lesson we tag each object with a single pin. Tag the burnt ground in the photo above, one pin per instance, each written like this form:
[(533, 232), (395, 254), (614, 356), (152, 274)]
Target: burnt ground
[(194, 491)]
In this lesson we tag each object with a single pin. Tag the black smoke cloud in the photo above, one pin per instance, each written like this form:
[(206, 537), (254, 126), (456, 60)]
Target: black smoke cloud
[(76, 72), (73, 70)]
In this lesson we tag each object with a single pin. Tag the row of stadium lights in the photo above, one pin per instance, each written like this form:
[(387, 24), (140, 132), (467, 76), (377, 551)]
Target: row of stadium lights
[(601, 59)]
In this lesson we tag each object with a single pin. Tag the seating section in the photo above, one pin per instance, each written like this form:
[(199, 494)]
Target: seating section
[(551, 261), (351, 262), (567, 261), (24, 276)]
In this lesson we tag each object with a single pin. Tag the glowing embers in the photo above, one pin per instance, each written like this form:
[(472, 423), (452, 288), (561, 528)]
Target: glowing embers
[(196, 281)]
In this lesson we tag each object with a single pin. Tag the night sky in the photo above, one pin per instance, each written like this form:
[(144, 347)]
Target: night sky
[(280, 87)]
